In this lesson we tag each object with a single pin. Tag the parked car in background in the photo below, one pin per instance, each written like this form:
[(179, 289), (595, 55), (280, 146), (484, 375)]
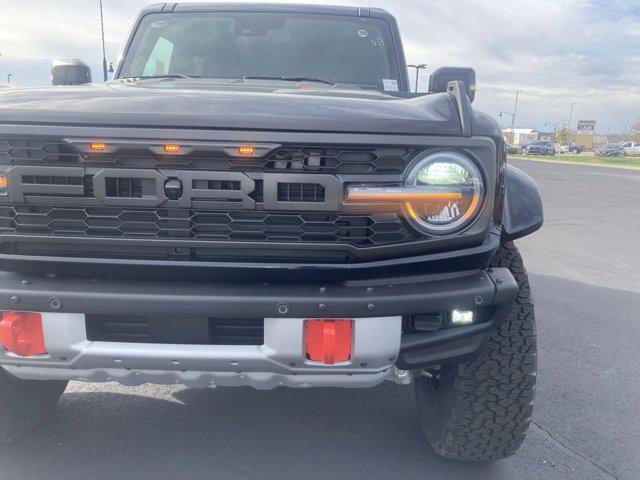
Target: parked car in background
[(512, 149), (631, 148), (540, 147), (611, 150), (575, 149)]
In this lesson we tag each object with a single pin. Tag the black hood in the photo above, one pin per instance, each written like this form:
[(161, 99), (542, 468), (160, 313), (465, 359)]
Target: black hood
[(247, 106)]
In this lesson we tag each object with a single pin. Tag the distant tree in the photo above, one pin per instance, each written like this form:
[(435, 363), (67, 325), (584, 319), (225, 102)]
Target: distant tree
[(627, 128), (562, 135)]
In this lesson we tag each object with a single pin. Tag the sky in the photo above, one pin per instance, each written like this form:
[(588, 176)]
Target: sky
[(556, 52)]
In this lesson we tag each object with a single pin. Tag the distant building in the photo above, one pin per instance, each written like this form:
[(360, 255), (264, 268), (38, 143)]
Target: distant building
[(520, 136), (548, 136)]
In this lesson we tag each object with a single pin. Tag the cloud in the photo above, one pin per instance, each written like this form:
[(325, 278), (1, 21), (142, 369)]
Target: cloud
[(556, 51)]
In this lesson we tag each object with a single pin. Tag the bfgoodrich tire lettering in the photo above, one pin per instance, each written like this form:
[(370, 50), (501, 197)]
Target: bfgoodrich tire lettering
[(24, 404), (480, 410)]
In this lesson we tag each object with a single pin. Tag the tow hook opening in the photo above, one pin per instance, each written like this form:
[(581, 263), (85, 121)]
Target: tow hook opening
[(328, 341), (21, 333)]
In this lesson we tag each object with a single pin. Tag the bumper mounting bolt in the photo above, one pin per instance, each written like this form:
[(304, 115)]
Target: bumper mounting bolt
[(371, 306), (55, 303), (322, 306), (479, 300), (283, 309), (15, 299)]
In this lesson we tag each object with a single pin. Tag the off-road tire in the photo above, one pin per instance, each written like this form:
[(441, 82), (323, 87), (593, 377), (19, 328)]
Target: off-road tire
[(24, 404), (480, 410)]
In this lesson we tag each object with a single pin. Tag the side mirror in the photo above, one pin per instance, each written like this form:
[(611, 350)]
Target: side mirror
[(70, 72), (440, 79)]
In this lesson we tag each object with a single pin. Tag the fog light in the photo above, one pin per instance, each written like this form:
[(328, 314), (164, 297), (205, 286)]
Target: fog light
[(462, 317)]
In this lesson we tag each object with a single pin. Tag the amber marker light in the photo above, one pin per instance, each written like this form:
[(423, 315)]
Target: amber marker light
[(246, 150), (172, 148), (97, 147), (3, 184)]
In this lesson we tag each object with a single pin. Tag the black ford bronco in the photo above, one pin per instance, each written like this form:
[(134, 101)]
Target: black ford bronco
[(258, 199)]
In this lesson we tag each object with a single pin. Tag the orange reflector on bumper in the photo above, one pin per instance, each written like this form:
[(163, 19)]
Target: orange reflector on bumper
[(328, 340), (21, 333)]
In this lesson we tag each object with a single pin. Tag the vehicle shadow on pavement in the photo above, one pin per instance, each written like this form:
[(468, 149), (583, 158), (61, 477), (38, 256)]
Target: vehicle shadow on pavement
[(234, 433)]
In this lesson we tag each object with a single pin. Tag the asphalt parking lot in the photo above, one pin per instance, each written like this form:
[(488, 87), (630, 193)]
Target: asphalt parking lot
[(585, 273)]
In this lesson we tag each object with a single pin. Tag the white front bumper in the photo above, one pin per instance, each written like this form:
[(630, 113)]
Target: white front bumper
[(279, 362)]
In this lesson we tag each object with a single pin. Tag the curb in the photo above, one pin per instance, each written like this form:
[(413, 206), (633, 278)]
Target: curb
[(562, 162)]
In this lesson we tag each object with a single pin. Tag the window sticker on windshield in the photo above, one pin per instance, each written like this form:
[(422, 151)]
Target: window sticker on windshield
[(363, 34), (390, 85)]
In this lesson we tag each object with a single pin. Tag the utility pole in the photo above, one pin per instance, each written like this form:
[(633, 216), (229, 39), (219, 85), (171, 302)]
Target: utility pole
[(418, 68), (569, 132), (104, 51), (513, 117)]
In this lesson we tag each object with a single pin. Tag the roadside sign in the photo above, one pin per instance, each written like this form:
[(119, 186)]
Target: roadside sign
[(586, 126)]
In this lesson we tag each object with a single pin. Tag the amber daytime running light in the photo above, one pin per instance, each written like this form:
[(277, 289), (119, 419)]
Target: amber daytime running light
[(442, 193)]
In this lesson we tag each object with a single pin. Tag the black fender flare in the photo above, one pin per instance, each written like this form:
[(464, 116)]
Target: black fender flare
[(522, 212)]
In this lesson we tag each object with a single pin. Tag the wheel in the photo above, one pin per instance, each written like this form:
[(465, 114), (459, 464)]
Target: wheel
[(480, 410), (574, 151), (24, 404)]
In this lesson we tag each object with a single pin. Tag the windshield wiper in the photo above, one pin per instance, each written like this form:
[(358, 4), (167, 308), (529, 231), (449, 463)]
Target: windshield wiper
[(155, 77), (292, 79)]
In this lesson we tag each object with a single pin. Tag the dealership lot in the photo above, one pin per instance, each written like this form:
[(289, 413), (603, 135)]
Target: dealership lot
[(585, 273)]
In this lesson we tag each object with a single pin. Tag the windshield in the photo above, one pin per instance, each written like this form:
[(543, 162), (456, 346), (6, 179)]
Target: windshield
[(338, 49)]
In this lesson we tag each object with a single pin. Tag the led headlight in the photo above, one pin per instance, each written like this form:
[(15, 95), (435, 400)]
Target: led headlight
[(452, 192)]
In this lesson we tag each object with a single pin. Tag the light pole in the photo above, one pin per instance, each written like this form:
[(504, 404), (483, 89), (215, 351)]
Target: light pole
[(513, 117), (418, 68), (104, 51), (9, 77), (569, 132)]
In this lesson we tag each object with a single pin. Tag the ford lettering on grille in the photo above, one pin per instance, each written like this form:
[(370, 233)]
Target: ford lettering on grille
[(152, 188)]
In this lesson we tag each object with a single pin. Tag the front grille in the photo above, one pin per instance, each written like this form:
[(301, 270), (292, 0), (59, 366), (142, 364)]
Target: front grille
[(289, 158), (288, 197), (162, 223), (182, 330)]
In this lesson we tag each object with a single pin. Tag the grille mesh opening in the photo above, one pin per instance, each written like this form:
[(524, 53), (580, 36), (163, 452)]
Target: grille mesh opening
[(300, 192), (187, 330)]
